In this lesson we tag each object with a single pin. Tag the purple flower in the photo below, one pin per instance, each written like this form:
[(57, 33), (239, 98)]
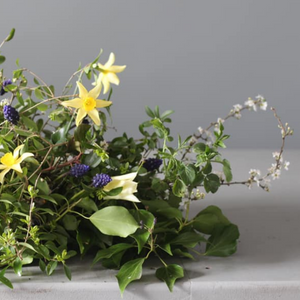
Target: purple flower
[(11, 114), (4, 84), (79, 170), (151, 164), (101, 180)]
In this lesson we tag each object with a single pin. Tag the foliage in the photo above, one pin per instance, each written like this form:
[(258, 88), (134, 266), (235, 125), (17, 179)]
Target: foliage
[(113, 205)]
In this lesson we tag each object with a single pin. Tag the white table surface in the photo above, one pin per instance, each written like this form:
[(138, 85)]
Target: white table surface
[(266, 265)]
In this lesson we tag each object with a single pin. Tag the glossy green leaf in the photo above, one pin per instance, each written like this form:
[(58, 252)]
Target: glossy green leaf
[(5, 281), (170, 274), (130, 271), (211, 183), (17, 266), (51, 267), (179, 188), (2, 59), (188, 239), (115, 221), (142, 235), (223, 241), (67, 272), (11, 35)]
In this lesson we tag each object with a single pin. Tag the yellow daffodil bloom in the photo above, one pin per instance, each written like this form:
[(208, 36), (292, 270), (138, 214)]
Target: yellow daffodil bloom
[(108, 73), (11, 161), (87, 103), (128, 185)]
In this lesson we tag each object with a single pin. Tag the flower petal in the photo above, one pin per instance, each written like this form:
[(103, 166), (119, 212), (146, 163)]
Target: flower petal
[(113, 78), (102, 103), (17, 167), (95, 92), (94, 115), (81, 113), (129, 176), (110, 61), (16, 151), (23, 156), (117, 69), (82, 90), (106, 84), (2, 174), (76, 103)]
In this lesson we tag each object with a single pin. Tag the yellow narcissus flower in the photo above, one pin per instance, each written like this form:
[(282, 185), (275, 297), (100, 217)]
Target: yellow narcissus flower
[(11, 161), (87, 103), (128, 185), (108, 73)]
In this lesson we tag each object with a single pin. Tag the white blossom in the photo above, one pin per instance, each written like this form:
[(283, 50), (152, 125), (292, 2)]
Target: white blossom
[(286, 165), (276, 174), (251, 104)]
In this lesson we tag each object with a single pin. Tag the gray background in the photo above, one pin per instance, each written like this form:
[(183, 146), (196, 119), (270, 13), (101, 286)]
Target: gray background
[(195, 57)]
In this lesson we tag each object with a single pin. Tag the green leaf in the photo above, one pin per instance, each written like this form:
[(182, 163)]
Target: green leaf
[(51, 267), (70, 222), (115, 221), (211, 183), (179, 188), (67, 272), (188, 239), (227, 170), (149, 112), (92, 160), (6, 281), (111, 251), (11, 35), (17, 266), (42, 184), (130, 271), (39, 94), (209, 218), (182, 253), (42, 265), (2, 59), (88, 204), (199, 148), (223, 241), (187, 173), (166, 248), (170, 212), (114, 192), (170, 274), (142, 235), (29, 123)]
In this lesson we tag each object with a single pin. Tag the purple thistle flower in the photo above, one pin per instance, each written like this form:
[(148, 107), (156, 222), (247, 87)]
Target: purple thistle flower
[(4, 84), (101, 180), (79, 170), (151, 164), (11, 114)]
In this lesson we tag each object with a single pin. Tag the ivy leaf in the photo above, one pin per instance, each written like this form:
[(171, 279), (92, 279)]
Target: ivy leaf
[(115, 221), (130, 271), (169, 274), (142, 235), (223, 241), (188, 239), (209, 218), (111, 251)]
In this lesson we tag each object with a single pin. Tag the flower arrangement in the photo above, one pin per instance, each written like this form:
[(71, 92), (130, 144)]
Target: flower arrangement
[(66, 191)]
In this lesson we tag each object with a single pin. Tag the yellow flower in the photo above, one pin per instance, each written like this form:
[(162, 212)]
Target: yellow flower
[(108, 73), (11, 161), (128, 185), (87, 103)]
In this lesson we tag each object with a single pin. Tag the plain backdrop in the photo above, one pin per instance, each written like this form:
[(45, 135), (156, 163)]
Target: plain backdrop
[(198, 58)]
